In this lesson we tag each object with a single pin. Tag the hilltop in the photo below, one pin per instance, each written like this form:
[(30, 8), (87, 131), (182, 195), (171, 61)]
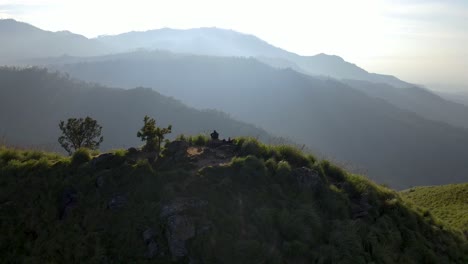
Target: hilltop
[(208, 202)]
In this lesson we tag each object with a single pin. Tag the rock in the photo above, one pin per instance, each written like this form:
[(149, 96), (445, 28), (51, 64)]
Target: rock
[(116, 202), (132, 151), (182, 218), (180, 228), (307, 178), (181, 204), (100, 181), (149, 236), (176, 146), (152, 249), (102, 159), (177, 150), (68, 200)]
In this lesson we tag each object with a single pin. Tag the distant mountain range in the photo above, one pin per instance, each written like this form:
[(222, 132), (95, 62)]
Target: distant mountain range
[(21, 42)]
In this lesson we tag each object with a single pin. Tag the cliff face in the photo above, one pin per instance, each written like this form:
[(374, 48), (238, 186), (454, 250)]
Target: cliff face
[(208, 202)]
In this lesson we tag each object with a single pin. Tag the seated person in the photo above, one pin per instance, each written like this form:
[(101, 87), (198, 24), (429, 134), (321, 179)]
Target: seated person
[(214, 135)]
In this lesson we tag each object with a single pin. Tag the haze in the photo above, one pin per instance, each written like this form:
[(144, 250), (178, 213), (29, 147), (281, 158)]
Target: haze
[(421, 42)]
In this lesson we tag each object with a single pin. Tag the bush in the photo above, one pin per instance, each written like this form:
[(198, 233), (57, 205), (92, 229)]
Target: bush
[(251, 146), (199, 140), (82, 155), (295, 156)]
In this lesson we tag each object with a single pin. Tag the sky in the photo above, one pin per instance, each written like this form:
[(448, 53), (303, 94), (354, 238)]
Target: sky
[(420, 41)]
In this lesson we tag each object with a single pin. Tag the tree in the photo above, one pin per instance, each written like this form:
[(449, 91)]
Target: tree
[(152, 134), (80, 133)]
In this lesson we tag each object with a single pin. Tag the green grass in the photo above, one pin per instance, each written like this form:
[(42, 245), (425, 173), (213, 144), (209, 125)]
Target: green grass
[(256, 212), (449, 203)]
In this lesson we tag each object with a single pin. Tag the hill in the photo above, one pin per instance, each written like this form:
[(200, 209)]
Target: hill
[(33, 101), (421, 101), (448, 203), (394, 146), (243, 202), (229, 43), (23, 43)]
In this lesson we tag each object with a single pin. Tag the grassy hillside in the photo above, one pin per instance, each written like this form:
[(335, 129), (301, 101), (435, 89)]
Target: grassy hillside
[(33, 101), (202, 202), (448, 203), (394, 146)]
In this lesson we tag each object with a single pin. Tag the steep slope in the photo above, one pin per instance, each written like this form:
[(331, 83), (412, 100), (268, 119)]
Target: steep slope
[(418, 100), (33, 101), (448, 203), (22, 42), (264, 205), (394, 146)]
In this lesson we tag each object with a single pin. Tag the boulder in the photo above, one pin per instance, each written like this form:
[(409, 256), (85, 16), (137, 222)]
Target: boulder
[(180, 228), (103, 158), (149, 236), (183, 222)]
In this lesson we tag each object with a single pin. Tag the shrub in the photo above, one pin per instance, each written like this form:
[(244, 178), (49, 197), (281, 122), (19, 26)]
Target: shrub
[(199, 140), (81, 155), (251, 146)]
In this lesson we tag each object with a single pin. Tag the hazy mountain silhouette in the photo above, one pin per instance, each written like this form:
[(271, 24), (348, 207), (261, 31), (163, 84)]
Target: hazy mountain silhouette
[(32, 102), (418, 100), (221, 42), (395, 146), (21, 41)]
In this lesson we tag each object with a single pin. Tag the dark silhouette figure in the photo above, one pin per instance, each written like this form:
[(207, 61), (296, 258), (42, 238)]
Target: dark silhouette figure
[(214, 135)]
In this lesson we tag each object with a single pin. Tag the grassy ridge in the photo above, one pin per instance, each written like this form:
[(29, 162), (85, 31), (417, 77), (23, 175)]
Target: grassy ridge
[(256, 211), (448, 202)]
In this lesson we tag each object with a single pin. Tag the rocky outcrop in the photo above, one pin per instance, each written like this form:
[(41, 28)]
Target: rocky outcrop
[(183, 220), (176, 150), (152, 248)]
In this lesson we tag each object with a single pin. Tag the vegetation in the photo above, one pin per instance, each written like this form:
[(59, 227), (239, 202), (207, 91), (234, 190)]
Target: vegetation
[(269, 204), (80, 133), (448, 203), (39, 99), (152, 134)]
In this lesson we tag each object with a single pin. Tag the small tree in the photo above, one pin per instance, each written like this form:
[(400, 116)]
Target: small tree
[(152, 134), (80, 133)]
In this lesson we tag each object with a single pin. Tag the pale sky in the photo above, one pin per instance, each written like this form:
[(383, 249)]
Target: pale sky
[(420, 41)]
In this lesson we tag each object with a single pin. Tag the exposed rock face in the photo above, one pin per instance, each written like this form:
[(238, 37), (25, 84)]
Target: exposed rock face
[(180, 228), (68, 200), (99, 181), (177, 150), (180, 205), (116, 202), (307, 178), (182, 223), (101, 160), (149, 236)]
